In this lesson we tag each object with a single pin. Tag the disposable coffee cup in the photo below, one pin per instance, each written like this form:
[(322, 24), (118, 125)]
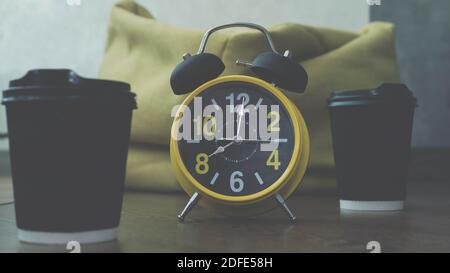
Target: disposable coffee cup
[(371, 132), (68, 140)]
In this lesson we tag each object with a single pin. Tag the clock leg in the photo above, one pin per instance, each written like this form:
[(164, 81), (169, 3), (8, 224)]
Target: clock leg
[(283, 205), (191, 203)]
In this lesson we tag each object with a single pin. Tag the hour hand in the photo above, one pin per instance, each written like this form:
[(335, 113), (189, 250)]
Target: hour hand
[(221, 149)]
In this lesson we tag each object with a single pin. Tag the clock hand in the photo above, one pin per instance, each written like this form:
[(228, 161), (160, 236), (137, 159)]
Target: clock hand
[(241, 114), (221, 149)]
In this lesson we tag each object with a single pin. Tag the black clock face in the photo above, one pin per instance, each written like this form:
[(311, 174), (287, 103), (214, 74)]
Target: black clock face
[(237, 166)]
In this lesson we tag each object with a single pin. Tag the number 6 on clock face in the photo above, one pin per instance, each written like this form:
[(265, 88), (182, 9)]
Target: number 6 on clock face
[(236, 182)]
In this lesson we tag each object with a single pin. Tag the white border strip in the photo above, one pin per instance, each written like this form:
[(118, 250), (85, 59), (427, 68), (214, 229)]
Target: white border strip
[(371, 205), (42, 237)]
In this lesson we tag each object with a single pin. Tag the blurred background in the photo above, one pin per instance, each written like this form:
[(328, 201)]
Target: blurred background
[(72, 33)]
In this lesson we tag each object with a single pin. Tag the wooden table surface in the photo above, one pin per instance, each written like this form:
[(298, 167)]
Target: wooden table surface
[(149, 224)]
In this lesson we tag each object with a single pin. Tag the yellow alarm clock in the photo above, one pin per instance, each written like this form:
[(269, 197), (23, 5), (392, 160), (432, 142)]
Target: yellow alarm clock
[(255, 158)]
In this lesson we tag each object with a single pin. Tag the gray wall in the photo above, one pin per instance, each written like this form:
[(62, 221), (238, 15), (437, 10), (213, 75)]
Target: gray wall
[(50, 33), (423, 52), (53, 34)]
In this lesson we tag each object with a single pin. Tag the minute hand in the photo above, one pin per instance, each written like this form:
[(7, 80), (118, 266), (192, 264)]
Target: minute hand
[(240, 113)]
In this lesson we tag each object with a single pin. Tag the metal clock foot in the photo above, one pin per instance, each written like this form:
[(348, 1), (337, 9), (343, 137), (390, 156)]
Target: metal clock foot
[(283, 204), (190, 204)]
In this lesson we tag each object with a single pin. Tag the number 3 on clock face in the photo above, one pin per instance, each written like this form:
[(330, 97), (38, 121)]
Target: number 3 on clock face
[(238, 167)]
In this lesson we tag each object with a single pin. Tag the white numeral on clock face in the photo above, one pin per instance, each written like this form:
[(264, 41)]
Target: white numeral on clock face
[(244, 98), (241, 98), (236, 183)]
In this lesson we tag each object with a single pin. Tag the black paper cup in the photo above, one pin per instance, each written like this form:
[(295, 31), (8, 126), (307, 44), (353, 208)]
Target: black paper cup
[(371, 132), (68, 140)]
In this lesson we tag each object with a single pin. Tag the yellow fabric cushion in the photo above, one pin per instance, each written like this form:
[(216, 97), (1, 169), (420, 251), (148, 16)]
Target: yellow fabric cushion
[(143, 51)]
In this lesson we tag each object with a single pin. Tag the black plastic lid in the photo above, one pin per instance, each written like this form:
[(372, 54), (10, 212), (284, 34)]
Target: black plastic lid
[(65, 84), (386, 93)]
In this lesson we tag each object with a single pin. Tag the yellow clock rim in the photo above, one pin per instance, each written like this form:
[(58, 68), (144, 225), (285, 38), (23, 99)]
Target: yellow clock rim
[(267, 192)]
